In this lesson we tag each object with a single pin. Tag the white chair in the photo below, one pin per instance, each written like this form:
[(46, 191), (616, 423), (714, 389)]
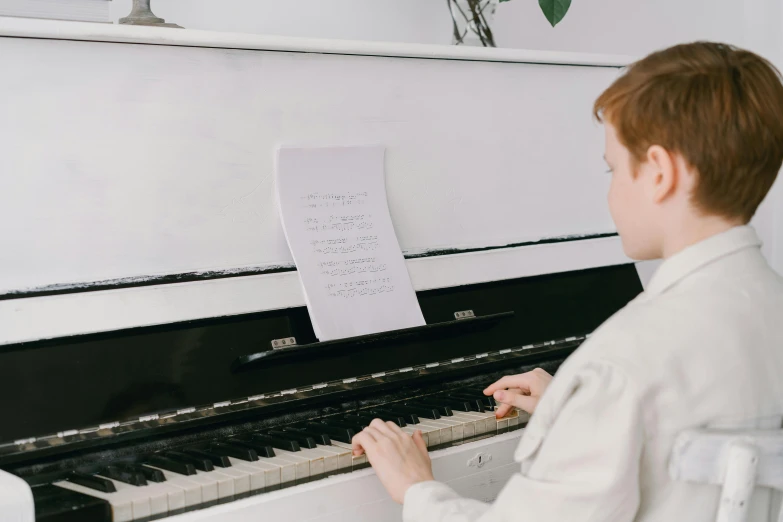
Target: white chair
[(738, 460)]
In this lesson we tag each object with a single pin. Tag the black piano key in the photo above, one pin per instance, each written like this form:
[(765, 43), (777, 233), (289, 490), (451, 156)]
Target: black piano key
[(476, 404), (339, 423), (56, 504), (261, 449), (132, 477), (399, 420), (455, 403), (342, 434), (152, 475), (361, 421), (283, 443), (92, 482), (452, 404), (445, 411), (489, 400), (419, 410), (303, 440), (408, 417), (183, 468), (217, 460), (199, 463), (320, 437), (234, 450)]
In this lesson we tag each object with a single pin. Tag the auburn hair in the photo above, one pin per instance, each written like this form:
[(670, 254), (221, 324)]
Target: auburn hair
[(719, 107)]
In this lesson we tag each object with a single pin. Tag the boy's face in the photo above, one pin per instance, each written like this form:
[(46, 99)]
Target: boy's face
[(632, 210)]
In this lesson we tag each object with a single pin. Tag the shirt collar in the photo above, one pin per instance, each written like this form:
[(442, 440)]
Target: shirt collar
[(694, 257)]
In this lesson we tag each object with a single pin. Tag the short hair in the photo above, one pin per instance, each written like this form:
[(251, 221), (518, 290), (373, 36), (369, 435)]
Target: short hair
[(719, 107)]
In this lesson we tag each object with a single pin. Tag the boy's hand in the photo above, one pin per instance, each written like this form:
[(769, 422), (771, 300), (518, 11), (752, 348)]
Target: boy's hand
[(522, 391), (400, 460)]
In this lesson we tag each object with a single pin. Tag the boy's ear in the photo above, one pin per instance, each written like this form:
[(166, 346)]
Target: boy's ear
[(662, 170)]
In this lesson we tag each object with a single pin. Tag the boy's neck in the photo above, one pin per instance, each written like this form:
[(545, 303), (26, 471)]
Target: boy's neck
[(690, 232)]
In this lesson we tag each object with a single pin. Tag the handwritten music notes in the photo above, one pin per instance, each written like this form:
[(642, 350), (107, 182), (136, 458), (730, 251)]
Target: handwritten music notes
[(333, 207)]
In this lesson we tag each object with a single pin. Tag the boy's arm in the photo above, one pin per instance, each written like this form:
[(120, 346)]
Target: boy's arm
[(580, 459)]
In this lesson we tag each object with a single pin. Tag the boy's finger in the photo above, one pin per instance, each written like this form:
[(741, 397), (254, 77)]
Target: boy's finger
[(361, 441), (502, 410), (396, 429), (521, 381), (381, 427), (523, 402)]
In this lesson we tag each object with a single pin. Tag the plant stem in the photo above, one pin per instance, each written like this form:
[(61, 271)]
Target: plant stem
[(475, 21)]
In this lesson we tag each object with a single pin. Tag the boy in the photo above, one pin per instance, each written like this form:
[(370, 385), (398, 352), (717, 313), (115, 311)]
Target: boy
[(694, 141)]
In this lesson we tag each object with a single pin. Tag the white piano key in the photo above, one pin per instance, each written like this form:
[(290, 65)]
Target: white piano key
[(490, 419), (240, 478), (301, 464), (194, 490), (471, 426), (433, 432), (256, 476), (331, 460), (316, 458), (269, 472), (225, 483), (344, 457), (410, 429), (519, 417), (175, 497), (287, 469), (121, 504), (457, 428), (426, 430), (355, 461), (140, 499), (159, 492), (446, 433), (482, 426)]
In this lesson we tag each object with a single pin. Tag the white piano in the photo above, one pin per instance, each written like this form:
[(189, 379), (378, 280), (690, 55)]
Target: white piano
[(144, 273)]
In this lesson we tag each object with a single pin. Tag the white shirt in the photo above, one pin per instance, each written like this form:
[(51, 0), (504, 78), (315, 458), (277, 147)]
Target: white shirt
[(702, 346)]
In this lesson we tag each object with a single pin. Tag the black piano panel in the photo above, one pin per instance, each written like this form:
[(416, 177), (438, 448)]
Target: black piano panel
[(82, 381)]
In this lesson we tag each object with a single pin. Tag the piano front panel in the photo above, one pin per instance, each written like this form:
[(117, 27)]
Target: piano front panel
[(133, 162)]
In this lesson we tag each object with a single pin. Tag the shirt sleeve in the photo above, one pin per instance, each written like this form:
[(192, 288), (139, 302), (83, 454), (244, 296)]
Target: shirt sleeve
[(580, 459)]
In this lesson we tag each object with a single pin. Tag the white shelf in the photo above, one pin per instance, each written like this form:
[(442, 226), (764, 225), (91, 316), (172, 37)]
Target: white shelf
[(49, 29)]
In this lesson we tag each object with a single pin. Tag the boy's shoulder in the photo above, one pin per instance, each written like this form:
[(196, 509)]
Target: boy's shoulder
[(702, 321)]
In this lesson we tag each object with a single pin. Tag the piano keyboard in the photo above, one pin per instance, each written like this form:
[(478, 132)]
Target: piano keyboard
[(196, 477)]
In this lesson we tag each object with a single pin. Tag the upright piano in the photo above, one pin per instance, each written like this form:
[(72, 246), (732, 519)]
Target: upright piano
[(156, 356)]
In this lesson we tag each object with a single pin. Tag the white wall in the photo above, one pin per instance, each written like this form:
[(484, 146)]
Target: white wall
[(608, 26), (422, 21)]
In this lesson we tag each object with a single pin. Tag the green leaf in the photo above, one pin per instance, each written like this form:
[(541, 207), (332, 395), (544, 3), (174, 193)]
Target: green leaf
[(554, 10)]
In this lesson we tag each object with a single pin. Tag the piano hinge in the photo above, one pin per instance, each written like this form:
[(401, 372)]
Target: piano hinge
[(285, 342), (464, 314)]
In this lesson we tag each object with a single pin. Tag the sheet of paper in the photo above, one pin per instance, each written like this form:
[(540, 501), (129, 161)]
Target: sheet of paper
[(336, 219)]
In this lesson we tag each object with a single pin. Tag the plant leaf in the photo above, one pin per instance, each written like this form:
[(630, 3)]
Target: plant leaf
[(554, 10)]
